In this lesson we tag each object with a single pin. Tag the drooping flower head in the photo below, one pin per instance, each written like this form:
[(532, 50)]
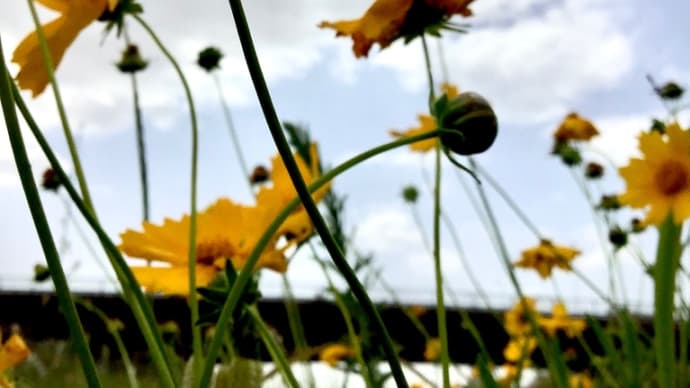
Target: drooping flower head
[(388, 20), (546, 256), (75, 15), (660, 180)]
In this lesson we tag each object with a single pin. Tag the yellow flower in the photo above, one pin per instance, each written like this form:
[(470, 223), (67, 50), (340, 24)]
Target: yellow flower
[(12, 353), (559, 320), (333, 353), (580, 380), (426, 124), (519, 348), (387, 20), (516, 320), (224, 230), (510, 373), (545, 256), (575, 127), (75, 15), (432, 350), (660, 181)]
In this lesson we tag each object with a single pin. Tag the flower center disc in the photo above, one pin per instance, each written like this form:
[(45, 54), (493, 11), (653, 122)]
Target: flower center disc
[(671, 177)]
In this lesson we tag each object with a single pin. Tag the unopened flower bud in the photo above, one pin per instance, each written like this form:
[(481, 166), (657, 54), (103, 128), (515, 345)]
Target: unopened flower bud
[(131, 61), (618, 237), (410, 194), (50, 180), (658, 126), (209, 58), (594, 170), (609, 202), (473, 122), (41, 273), (637, 226), (570, 156), (260, 174), (670, 91)]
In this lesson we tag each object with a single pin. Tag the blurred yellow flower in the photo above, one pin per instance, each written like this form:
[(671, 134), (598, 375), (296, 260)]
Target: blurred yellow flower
[(387, 20), (417, 310), (516, 321), (509, 373), (559, 320), (273, 198), (519, 348), (333, 353), (545, 256), (12, 353), (225, 230), (660, 181), (75, 15), (580, 380), (426, 124), (432, 350), (575, 127)]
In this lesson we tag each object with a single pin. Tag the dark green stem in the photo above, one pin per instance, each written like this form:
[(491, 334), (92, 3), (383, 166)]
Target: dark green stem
[(329, 242), (282, 364), (667, 256), (193, 302), (132, 291), (141, 150), (43, 229)]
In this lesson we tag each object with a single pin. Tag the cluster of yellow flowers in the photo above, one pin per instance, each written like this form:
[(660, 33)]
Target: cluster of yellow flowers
[(225, 230), (518, 323)]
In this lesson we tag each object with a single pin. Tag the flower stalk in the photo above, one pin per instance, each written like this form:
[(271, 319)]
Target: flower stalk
[(667, 256), (43, 229)]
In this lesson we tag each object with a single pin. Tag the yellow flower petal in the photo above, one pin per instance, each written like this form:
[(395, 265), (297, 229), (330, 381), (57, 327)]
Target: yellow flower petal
[(13, 352)]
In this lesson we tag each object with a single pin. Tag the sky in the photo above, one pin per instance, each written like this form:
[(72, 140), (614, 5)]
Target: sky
[(534, 60)]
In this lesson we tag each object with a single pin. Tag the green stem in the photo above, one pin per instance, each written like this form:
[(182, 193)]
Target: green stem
[(438, 272), (48, 62), (510, 202), (561, 380), (114, 332), (193, 302), (233, 134), (281, 143), (667, 256), (440, 305), (43, 229), (132, 291), (246, 273), (274, 350), (141, 150), (296, 326)]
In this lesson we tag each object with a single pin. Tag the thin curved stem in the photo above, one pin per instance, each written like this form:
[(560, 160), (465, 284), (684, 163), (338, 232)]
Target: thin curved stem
[(246, 273), (132, 292), (33, 199), (281, 143), (233, 133), (193, 302), (74, 154), (282, 364)]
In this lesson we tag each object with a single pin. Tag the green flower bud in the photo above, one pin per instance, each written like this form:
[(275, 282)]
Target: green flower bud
[(658, 126), (260, 174), (50, 180), (569, 154), (609, 202), (410, 194), (618, 237), (471, 118), (670, 91), (131, 61), (41, 273), (594, 170), (209, 58), (636, 226)]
